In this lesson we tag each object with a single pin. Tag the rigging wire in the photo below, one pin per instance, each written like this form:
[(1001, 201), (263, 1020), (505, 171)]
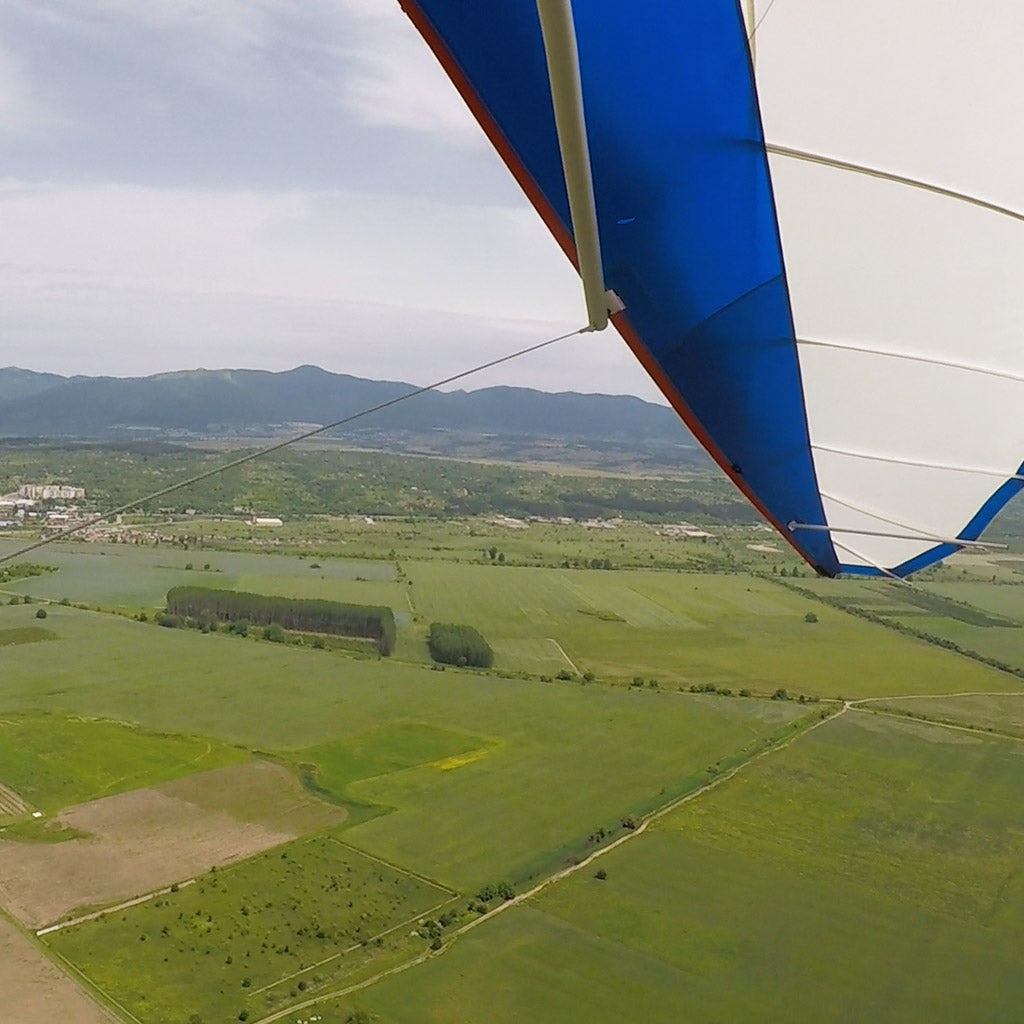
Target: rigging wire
[(758, 23), (278, 446)]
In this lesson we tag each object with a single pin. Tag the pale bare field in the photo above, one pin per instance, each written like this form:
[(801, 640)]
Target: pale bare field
[(150, 838), (35, 991)]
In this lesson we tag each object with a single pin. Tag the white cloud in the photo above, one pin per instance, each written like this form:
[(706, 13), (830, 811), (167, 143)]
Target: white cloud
[(360, 58), (321, 245), (20, 110), (394, 81), (379, 287), (376, 279)]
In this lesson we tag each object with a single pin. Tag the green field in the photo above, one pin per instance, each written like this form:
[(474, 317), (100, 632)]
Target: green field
[(54, 761), (986, 619), (25, 635), (125, 576), (508, 812), (866, 869), (999, 713), (254, 936), (853, 876)]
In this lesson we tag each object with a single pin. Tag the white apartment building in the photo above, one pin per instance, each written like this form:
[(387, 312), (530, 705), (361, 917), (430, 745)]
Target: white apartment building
[(49, 492)]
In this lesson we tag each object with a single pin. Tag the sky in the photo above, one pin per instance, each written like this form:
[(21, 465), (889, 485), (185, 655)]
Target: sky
[(266, 183)]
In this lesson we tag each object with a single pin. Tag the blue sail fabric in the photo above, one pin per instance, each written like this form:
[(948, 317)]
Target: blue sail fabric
[(685, 214)]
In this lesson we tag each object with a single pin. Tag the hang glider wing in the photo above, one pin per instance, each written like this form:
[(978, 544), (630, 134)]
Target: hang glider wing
[(839, 325)]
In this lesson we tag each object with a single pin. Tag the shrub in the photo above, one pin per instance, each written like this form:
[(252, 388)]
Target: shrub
[(40, 613)]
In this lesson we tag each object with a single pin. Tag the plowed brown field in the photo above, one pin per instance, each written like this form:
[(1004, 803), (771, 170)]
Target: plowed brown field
[(149, 838), (34, 991)]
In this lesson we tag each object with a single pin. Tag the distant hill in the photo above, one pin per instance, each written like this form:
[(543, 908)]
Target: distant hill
[(226, 403), (15, 383)]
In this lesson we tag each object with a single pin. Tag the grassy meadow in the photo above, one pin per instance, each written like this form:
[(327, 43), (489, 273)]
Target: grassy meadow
[(54, 761), (254, 936)]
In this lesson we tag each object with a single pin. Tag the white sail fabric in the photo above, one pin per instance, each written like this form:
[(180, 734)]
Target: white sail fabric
[(908, 305)]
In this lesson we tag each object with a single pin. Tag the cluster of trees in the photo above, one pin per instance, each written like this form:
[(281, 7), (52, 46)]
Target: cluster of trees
[(502, 890), (587, 563), (22, 570), (453, 644), (722, 691), (310, 616)]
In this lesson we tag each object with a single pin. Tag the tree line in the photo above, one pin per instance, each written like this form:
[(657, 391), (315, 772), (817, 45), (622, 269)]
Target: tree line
[(310, 616)]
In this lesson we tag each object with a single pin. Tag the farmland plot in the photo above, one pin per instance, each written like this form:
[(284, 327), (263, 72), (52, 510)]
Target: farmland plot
[(139, 841)]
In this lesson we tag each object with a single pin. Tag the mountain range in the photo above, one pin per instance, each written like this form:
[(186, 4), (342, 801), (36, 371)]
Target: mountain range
[(228, 403)]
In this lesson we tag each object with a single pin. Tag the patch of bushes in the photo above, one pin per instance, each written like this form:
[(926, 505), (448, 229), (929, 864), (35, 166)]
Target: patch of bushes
[(454, 644)]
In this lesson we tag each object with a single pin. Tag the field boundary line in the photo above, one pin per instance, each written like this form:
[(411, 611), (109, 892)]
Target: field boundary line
[(396, 867), (561, 651), (61, 925), (91, 985)]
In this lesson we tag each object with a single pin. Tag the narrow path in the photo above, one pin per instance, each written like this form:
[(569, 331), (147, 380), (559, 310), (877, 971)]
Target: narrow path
[(113, 910), (939, 696), (561, 651), (355, 945)]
